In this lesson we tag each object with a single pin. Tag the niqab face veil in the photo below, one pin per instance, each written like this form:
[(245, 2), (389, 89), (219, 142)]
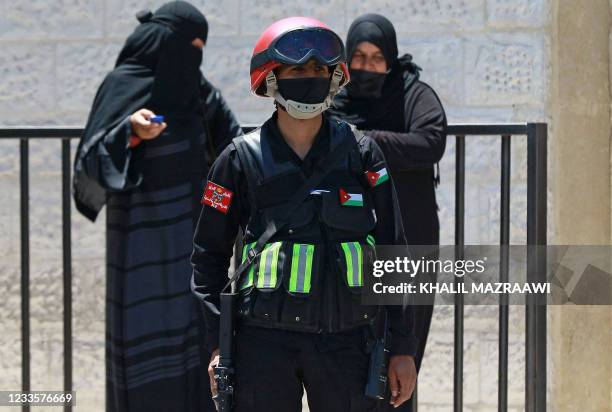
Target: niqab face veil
[(161, 52), (385, 111)]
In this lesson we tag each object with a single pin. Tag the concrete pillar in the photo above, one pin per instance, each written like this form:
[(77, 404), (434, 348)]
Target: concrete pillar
[(580, 337)]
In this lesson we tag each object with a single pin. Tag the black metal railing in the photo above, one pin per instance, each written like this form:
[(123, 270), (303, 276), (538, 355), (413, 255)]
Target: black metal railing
[(535, 312)]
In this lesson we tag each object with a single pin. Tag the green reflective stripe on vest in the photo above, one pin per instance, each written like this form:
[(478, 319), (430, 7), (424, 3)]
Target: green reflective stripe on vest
[(248, 281), (301, 268), (268, 266), (370, 239), (353, 258)]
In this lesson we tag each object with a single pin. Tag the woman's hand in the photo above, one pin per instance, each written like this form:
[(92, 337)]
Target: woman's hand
[(143, 127)]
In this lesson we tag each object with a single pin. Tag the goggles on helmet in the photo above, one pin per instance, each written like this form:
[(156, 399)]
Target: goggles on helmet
[(299, 46)]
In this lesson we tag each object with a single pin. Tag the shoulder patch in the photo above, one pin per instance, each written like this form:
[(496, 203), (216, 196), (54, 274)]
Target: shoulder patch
[(217, 197), (376, 178)]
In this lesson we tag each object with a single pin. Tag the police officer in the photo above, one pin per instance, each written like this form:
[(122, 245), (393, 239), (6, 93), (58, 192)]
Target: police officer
[(300, 319)]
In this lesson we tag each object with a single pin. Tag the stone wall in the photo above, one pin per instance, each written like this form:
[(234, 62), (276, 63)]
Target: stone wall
[(580, 338), (489, 60)]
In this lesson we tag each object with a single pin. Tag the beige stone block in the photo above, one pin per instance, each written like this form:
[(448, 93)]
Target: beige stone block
[(10, 362), (505, 69), (483, 190), (81, 67), (441, 59), (121, 20), (46, 354), (517, 13), (27, 89), (221, 16), (436, 375), (516, 370), (580, 340), (581, 358), (9, 158), (255, 16), (89, 297), (45, 217), (40, 19), (10, 306), (226, 63), (88, 239), (9, 215), (423, 16), (89, 372), (120, 16)]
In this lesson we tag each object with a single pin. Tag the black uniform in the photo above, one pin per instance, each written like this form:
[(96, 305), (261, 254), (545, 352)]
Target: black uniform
[(300, 317)]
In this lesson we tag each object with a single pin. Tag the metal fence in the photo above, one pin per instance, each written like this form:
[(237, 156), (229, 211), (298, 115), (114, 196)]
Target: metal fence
[(535, 312)]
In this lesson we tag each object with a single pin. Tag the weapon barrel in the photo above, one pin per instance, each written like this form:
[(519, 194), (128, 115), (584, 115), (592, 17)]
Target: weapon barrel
[(226, 328)]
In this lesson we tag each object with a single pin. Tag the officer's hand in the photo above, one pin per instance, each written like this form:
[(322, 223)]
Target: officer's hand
[(143, 127), (214, 361), (402, 378)]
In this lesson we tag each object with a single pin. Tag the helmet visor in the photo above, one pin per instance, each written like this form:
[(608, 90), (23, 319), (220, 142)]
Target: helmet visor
[(299, 46)]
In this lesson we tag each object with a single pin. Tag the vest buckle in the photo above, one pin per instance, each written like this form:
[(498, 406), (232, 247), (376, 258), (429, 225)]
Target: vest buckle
[(251, 255)]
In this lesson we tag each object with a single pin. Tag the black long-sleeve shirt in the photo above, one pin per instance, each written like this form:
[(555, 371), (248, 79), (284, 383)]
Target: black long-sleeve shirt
[(422, 144), (216, 231), (411, 154)]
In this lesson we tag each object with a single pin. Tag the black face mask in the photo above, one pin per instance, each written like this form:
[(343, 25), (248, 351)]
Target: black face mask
[(309, 90), (365, 84)]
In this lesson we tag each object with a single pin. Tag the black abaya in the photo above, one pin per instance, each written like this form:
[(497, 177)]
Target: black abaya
[(409, 124), (155, 357)]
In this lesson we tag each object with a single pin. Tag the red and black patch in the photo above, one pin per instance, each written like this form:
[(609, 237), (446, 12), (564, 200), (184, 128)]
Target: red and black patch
[(217, 197)]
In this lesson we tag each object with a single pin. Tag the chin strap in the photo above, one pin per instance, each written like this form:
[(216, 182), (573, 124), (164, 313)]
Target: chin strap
[(300, 110), (334, 86)]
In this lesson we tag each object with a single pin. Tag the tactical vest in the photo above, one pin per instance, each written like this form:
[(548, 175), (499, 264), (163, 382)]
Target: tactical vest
[(309, 277)]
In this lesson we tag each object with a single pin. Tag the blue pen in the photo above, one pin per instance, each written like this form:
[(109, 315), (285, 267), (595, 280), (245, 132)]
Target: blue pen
[(157, 119)]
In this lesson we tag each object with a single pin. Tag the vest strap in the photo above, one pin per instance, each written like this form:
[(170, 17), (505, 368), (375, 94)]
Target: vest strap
[(248, 281)]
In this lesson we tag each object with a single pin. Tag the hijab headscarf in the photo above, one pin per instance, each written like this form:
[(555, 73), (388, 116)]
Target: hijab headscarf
[(375, 29), (387, 111), (158, 69)]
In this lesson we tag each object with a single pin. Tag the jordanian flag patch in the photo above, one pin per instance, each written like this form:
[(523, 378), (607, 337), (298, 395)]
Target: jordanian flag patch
[(376, 178), (350, 199)]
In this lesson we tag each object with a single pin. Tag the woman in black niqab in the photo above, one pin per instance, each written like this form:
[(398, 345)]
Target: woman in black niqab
[(159, 69), (405, 117), (155, 357)]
